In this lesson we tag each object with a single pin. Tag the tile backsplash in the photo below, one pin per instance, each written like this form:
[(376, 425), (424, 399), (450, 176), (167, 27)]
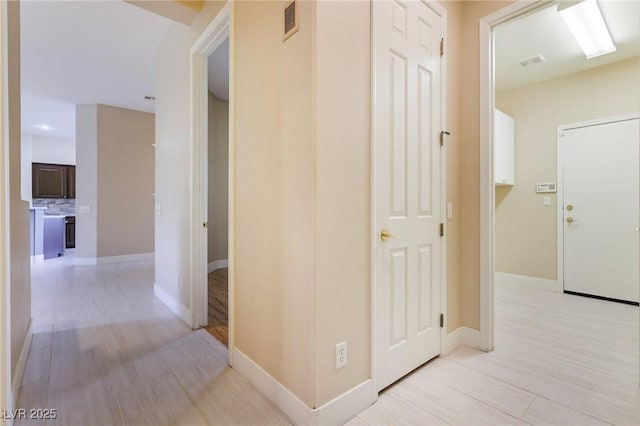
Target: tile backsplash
[(56, 206)]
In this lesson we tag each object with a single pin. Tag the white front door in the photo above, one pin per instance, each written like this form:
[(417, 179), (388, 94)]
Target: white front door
[(407, 186), (601, 192)]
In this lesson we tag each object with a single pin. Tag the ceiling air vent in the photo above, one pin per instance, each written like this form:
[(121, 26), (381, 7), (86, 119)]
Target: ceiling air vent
[(538, 59)]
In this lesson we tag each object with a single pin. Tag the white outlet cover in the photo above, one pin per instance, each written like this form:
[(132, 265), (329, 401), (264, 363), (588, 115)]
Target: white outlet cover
[(341, 354)]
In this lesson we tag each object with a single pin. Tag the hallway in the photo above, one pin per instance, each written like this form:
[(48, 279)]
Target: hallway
[(106, 351)]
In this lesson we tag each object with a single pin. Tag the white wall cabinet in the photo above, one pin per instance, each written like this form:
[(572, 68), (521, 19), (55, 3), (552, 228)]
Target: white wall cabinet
[(504, 149)]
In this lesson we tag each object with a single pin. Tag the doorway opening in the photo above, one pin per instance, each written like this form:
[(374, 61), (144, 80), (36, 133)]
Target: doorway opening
[(212, 150), (521, 214), (218, 193)]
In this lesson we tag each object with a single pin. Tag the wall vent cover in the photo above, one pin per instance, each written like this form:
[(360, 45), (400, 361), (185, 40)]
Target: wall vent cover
[(537, 59)]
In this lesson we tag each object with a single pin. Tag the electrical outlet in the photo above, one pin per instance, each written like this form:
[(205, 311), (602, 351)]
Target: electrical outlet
[(341, 354)]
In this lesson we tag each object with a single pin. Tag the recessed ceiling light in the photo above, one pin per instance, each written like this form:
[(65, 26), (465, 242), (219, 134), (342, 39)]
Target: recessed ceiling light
[(44, 127), (587, 26)]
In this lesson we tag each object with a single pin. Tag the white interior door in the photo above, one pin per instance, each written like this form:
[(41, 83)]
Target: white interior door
[(407, 186), (601, 191)]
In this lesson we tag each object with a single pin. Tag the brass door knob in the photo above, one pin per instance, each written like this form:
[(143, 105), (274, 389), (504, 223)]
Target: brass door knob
[(570, 219), (385, 235)]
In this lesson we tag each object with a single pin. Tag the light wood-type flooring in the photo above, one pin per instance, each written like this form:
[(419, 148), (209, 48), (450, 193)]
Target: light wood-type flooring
[(218, 305), (106, 352), (558, 360)]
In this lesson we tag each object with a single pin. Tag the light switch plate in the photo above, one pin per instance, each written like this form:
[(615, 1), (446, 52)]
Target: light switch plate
[(84, 210), (546, 201)]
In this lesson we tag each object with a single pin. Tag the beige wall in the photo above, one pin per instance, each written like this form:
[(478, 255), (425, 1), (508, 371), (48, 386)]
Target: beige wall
[(342, 195), (218, 157), (472, 12), (18, 209), (5, 255), (115, 178), (302, 184), (125, 181), (453, 151), (173, 164), (525, 230), (274, 194)]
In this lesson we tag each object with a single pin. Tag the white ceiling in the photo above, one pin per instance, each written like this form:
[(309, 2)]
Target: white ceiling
[(218, 71), (543, 32), (85, 52)]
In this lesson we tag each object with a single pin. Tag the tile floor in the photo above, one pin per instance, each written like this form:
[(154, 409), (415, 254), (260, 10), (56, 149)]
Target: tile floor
[(106, 352), (559, 360)]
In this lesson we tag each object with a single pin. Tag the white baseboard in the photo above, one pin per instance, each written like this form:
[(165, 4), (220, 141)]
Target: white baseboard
[(472, 338), (174, 306), (460, 336), (502, 278), (346, 406), (16, 380), (138, 257), (337, 411), (218, 264), (451, 341), (110, 260), (84, 261)]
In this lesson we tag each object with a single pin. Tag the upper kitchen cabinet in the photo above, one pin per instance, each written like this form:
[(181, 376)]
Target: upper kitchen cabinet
[(504, 149), (53, 181), (71, 181)]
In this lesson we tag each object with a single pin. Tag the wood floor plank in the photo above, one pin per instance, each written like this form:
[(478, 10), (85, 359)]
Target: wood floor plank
[(218, 305)]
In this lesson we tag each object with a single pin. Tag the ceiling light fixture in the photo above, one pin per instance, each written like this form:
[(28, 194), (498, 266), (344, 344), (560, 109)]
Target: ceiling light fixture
[(587, 26)]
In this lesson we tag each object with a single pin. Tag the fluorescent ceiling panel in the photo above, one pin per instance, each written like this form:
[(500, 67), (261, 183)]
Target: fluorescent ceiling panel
[(587, 25)]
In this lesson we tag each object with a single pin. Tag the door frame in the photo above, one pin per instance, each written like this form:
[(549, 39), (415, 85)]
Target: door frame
[(441, 11), (560, 178), (6, 397), (211, 38), (487, 179)]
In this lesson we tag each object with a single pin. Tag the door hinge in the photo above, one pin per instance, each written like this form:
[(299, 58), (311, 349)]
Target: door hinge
[(441, 320), (442, 133), (442, 229), (442, 46)]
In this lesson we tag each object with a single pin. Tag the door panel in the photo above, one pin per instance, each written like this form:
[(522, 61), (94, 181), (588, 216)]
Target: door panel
[(407, 186), (601, 197)]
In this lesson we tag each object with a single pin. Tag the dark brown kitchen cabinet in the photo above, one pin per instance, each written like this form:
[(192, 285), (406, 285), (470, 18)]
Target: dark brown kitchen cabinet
[(70, 232), (71, 181), (53, 181)]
